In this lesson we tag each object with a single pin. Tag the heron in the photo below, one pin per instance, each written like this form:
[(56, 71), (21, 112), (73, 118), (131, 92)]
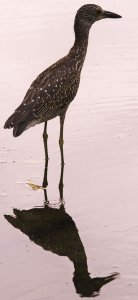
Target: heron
[(54, 89)]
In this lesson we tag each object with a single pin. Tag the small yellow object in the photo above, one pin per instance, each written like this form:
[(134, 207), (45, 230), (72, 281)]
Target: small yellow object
[(34, 187)]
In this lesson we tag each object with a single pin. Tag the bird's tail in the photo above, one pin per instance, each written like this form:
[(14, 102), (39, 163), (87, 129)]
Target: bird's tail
[(13, 122), (14, 119), (20, 121), (18, 130)]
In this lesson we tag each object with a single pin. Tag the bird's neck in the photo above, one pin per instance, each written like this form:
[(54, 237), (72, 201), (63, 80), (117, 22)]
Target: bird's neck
[(79, 49)]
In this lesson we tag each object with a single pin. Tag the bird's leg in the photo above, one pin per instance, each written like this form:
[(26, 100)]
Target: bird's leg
[(61, 141), (45, 138), (61, 185)]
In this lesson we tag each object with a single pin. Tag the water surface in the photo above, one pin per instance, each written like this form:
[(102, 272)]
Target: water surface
[(94, 232)]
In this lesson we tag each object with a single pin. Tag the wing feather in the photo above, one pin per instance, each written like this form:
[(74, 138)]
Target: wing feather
[(48, 95)]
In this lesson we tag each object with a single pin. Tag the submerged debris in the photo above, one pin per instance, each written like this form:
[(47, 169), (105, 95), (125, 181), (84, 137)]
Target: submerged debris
[(34, 187)]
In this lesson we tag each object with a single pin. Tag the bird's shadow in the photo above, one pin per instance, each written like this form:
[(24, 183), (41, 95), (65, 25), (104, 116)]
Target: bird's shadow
[(54, 230)]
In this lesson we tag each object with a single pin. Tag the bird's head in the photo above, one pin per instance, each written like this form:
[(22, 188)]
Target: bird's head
[(90, 13)]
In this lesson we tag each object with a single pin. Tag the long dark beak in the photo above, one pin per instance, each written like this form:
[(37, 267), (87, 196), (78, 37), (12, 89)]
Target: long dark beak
[(108, 14)]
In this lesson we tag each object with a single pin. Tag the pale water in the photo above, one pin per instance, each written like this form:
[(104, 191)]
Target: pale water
[(96, 230)]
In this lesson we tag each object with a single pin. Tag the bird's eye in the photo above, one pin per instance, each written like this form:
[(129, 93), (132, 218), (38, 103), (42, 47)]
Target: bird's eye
[(98, 11)]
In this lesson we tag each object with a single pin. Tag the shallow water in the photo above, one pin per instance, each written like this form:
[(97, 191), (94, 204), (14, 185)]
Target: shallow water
[(95, 229)]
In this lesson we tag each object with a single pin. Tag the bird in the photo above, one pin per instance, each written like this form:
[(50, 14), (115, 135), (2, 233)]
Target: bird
[(54, 89)]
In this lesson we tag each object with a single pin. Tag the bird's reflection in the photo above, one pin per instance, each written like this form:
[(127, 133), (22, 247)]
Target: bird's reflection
[(54, 230)]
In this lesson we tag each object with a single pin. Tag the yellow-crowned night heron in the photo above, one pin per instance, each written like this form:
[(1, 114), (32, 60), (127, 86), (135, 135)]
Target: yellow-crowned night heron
[(53, 90)]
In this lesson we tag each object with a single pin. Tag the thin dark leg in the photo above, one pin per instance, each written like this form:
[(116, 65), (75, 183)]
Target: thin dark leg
[(45, 137), (61, 140), (61, 185)]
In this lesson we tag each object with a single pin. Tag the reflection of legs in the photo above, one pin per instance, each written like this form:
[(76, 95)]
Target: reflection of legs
[(45, 137), (61, 140), (61, 185), (45, 180), (46, 198)]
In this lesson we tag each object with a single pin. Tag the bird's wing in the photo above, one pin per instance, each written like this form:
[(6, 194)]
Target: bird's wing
[(46, 95), (45, 76), (25, 111), (57, 97)]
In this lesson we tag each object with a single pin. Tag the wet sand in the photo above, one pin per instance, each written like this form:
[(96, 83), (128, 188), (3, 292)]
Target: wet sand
[(96, 230)]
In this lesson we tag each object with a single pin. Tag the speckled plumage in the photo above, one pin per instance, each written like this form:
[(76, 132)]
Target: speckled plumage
[(49, 96), (54, 89)]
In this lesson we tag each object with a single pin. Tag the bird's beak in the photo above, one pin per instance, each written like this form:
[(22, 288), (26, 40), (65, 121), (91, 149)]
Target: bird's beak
[(108, 14)]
